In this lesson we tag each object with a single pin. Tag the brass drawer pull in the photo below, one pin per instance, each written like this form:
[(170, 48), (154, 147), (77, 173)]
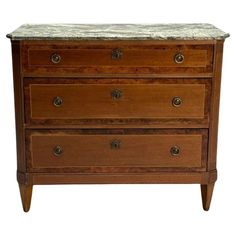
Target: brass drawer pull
[(116, 53), (177, 101), (55, 58), (57, 151), (57, 101), (179, 58), (116, 94), (115, 144), (175, 151)]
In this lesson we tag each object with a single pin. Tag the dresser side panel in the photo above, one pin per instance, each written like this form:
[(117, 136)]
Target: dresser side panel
[(19, 106), (214, 109)]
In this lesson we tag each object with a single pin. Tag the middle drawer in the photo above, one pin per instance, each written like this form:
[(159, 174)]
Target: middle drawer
[(75, 101)]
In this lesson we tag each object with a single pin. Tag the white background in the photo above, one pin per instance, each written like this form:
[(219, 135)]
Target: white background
[(118, 209)]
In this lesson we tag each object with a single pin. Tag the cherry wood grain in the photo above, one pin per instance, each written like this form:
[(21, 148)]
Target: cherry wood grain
[(129, 178), (163, 57), (92, 148), (214, 109), (96, 101), (134, 150), (88, 102), (19, 106), (137, 58)]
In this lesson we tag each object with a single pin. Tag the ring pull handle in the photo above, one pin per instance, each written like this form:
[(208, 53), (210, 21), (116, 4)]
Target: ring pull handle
[(179, 58), (57, 151), (116, 53), (115, 144), (57, 101), (177, 101), (175, 151), (55, 58)]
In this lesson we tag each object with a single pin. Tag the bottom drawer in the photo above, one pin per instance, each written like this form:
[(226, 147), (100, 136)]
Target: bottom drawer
[(162, 148)]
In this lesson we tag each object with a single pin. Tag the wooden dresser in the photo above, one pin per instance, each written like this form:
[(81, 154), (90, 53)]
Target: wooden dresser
[(117, 104)]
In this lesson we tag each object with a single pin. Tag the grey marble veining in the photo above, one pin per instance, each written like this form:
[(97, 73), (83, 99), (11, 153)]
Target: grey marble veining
[(117, 31)]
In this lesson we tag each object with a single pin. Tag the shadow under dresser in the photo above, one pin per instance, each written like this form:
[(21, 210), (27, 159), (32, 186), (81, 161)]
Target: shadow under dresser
[(117, 104)]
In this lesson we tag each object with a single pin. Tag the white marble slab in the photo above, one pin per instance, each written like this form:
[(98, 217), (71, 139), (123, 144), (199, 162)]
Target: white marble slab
[(117, 31)]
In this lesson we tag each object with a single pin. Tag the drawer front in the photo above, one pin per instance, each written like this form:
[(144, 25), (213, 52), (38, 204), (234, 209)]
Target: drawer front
[(121, 58), (116, 101), (68, 150)]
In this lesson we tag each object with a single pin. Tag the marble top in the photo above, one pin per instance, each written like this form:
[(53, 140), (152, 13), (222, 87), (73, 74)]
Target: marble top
[(117, 31)]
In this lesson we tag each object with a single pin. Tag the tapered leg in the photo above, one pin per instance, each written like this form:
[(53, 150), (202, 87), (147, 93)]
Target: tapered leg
[(26, 193), (207, 191)]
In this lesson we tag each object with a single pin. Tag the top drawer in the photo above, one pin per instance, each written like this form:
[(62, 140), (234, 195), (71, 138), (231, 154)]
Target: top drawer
[(119, 57)]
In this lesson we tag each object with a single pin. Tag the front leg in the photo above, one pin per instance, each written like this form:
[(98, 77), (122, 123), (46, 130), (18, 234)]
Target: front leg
[(26, 194), (206, 191)]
